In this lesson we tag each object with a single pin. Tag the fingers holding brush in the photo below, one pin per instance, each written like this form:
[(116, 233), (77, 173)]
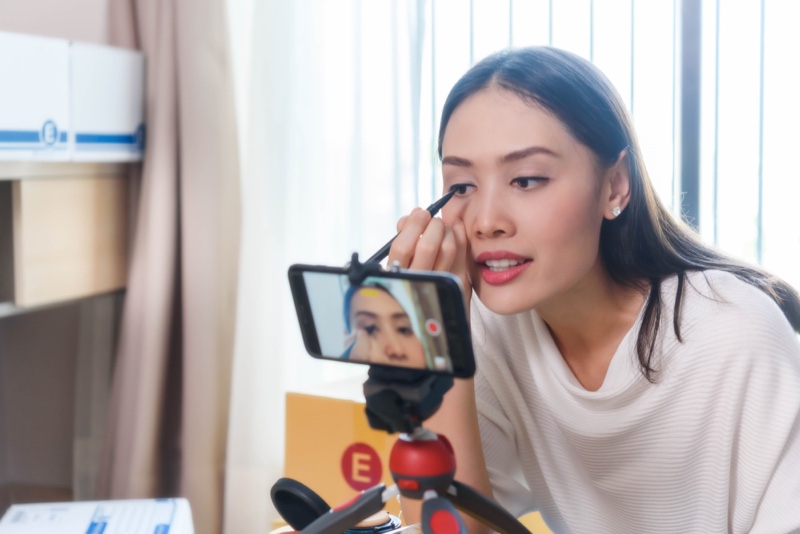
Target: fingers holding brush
[(448, 250), (410, 229), (424, 243), (435, 248)]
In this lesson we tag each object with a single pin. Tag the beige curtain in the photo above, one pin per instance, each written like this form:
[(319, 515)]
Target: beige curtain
[(330, 126), (168, 413)]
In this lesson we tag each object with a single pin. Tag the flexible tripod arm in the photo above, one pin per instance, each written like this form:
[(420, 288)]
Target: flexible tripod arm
[(484, 510)]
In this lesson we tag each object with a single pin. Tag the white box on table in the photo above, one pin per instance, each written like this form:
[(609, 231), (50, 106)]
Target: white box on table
[(34, 98), (138, 516), (108, 103)]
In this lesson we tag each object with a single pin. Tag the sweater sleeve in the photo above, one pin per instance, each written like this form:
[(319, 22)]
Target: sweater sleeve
[(768, 447), (500, 452), (779, 510), (765, 477)]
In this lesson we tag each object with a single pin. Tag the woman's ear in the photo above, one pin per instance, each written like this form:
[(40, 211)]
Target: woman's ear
[(618, 186)]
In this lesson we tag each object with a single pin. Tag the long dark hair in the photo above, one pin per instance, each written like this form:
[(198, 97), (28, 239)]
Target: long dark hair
[(645, 244)]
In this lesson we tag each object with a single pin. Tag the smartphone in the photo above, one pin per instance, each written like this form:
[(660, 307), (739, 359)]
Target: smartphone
[(408, 319)]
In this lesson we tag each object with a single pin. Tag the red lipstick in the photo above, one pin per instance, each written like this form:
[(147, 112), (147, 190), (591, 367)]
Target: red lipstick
[(501, 267)]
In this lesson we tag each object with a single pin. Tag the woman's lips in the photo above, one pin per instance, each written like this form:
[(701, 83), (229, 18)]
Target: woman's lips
[(501, 267)]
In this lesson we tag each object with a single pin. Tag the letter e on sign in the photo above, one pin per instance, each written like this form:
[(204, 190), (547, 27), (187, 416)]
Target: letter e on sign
[(361, 466)]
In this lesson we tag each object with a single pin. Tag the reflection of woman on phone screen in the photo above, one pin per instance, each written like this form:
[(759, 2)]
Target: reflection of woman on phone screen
[(380, 330)]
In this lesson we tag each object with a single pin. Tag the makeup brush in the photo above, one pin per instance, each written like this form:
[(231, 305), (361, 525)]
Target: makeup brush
[(433, 209)]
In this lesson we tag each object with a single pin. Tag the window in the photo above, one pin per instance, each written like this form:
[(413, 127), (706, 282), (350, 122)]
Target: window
[(345, 99), (750, 180)]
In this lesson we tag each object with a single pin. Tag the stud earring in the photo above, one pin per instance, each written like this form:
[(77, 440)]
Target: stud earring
[(615, 211)]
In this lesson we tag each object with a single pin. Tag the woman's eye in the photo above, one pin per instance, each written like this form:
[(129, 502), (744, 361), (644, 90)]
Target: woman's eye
[(461, 189), (528, 182), (405, 331), (370, 329)]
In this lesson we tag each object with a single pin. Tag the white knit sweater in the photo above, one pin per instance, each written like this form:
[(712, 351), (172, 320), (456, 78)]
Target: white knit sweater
[(712, 446)]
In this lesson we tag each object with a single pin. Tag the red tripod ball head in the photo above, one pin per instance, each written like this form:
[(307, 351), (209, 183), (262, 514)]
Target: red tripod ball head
[(422, 461)]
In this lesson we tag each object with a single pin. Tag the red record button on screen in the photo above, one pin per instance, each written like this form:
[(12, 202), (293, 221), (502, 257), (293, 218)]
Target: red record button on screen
[(433, 327)]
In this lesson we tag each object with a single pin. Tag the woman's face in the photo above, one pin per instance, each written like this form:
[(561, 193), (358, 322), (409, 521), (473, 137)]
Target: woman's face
[(383, 332), (530, 198)]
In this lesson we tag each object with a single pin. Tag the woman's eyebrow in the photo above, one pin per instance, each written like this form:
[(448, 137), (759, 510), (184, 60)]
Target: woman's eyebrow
[(455, 160), (508, 158), (526, 152)]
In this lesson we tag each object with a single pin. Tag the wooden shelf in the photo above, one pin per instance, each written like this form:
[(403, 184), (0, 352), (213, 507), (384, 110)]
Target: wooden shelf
[(33, 170), (61, 237), (9, 309)]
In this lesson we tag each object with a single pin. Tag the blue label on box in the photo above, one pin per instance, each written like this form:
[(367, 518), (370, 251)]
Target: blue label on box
[(95, 141), (96, 527), (46, 138)]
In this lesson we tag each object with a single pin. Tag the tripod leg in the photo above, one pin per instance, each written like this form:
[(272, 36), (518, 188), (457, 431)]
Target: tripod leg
[(439, 516), (484, 510)]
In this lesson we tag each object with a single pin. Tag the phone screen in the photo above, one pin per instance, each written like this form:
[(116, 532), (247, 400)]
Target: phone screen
[(387, 319)]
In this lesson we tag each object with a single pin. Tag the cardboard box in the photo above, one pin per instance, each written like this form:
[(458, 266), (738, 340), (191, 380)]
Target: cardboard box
[(331, 448)]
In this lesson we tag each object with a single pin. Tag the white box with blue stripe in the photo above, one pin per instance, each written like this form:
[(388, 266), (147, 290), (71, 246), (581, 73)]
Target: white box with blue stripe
[(34, 98), (70, 101), (108, 111)]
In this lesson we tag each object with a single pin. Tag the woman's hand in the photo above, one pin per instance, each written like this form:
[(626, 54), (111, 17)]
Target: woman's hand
[(358, 345), (426, 243)]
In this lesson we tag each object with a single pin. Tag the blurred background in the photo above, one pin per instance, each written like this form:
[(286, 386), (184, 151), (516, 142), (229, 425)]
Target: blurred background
[(333, 109)]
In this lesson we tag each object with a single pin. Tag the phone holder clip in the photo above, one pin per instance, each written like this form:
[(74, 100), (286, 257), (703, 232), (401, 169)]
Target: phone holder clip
[(357, 271)]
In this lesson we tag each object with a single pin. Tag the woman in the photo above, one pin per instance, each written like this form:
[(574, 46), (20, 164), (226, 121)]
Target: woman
[(380, 330), (630, 378)]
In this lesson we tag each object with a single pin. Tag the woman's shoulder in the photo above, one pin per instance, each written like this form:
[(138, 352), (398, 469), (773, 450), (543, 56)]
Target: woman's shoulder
[(720, 303), (731, 335), (726, 293), (712, 282)]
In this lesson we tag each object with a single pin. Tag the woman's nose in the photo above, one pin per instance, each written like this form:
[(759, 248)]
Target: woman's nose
[(489, 215), (392, 346)]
